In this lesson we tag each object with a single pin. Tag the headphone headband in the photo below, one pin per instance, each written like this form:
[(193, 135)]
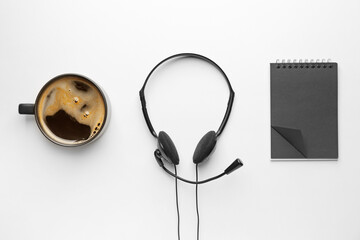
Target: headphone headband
[(197, 56)]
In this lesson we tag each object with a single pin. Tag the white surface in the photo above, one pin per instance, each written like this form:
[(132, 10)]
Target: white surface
[(113, 188)]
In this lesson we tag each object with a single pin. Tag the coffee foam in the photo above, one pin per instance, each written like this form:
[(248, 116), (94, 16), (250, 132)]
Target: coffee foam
[(79, 98)]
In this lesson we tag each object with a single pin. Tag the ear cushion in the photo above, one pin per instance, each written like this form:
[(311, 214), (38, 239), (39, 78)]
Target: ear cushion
[(167, 148), (205, 147)]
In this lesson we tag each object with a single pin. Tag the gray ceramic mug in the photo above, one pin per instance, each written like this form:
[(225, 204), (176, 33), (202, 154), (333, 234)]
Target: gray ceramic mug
[(70, 110)]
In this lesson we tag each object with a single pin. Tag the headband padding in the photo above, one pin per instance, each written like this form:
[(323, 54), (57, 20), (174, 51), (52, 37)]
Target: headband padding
[(167, 148), (205, 147)]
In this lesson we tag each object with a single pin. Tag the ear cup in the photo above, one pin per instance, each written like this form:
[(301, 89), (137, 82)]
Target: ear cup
[(167, 148), (205, 147)]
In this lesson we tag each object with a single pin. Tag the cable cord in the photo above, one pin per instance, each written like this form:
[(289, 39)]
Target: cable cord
[(197, 204), (177, 204)]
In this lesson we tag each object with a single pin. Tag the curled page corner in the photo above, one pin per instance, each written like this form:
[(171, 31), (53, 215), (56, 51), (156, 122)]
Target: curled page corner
[(293, 136)]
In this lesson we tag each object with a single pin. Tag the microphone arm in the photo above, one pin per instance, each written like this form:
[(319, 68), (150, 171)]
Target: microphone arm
[(233, 166), (192, 182)]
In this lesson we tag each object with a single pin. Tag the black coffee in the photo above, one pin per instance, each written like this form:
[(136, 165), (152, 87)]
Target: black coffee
[(65, 126), (71, 110)]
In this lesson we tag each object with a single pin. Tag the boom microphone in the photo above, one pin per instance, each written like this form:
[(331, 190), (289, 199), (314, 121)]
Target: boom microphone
[(232, 167)]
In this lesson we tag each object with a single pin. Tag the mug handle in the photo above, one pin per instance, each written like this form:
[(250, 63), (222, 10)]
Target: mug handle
[(27, 108)]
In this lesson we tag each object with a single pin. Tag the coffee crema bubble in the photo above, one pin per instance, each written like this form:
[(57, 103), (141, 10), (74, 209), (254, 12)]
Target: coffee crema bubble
[(71, 109)]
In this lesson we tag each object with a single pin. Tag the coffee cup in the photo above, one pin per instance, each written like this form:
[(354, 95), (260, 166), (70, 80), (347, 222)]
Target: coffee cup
[(70, 110)]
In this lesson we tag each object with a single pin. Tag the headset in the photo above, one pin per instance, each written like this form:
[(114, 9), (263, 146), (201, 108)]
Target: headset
[(166, 150)]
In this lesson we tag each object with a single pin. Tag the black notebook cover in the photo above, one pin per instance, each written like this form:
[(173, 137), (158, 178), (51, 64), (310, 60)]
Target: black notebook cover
[(304, 103)]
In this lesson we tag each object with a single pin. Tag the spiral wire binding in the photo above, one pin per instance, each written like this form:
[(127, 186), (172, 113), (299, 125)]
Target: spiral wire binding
[(304, 63)]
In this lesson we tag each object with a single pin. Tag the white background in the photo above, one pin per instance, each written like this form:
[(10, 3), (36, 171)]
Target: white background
[(113, 188)]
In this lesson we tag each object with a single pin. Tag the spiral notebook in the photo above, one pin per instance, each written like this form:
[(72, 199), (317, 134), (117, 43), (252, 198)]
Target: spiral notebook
[(304, 109)]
